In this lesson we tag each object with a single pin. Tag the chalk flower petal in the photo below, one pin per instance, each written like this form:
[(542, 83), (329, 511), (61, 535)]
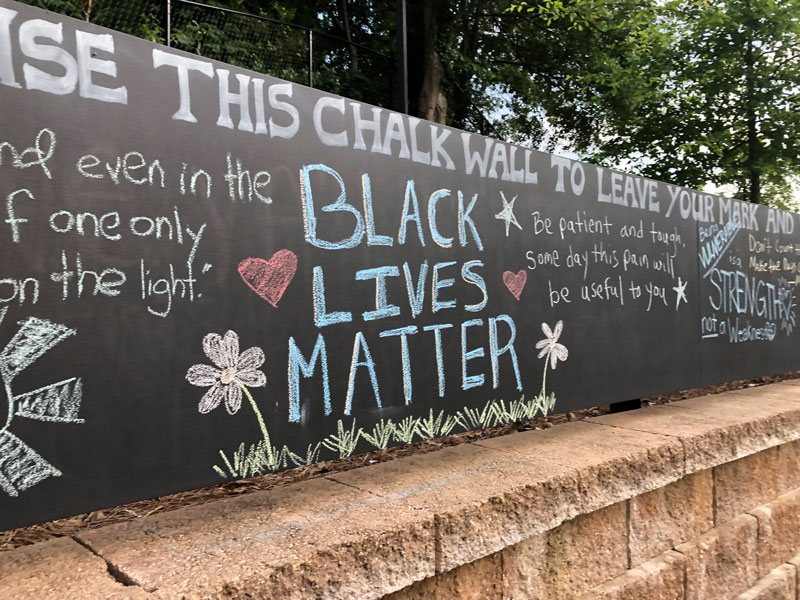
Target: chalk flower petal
[(230, 346), (252, 378), (547, 331), (212, 346), (233, 398), (252, 358), (202, 375), (211, 398)]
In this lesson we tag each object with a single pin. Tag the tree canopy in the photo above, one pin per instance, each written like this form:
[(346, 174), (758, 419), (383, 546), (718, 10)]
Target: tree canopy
[(704, 92), (694, 92)]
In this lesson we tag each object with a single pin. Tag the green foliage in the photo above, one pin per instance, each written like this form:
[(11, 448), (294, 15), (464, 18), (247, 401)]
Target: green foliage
[(688, 91), (265, 44), (693, 92)]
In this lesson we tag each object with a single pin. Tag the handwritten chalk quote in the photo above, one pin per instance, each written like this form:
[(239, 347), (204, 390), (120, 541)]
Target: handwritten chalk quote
[(236, 274)]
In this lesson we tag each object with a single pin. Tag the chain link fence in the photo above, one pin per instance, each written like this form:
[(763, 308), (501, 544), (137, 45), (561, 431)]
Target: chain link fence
[(254, 42)]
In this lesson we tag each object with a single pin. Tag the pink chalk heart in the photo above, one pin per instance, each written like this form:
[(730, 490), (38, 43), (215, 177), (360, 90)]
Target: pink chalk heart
[(269, 278), (515, 282)]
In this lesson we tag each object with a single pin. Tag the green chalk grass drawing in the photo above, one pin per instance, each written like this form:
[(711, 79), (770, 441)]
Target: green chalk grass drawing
[(234, 373)]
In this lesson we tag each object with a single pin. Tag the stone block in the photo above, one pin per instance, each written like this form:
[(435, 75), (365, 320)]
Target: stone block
[(795, 560), (744, 484), (789, 467), (479, 580), (665, 517), (795, 382), (722, 563), (522, 569), (569, 560), (778, 531), (59, 569), (612, 464), (790, 393), (482, 500), (314, 539), (780, 584), (715, 429), (660, 578), (533, 515)]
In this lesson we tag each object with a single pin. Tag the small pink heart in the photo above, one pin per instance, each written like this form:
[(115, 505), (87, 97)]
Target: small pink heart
[(515, 282), (269, 278)]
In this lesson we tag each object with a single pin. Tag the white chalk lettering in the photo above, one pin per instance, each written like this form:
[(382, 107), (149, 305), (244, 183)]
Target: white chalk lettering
[(183, 64)]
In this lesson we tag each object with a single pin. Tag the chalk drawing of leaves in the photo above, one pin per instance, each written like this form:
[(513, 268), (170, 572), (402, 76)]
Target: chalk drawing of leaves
[(21, 467)]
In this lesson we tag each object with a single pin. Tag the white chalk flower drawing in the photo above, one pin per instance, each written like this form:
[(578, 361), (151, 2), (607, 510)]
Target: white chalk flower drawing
[(552, 352), (234, 373), (21, 467), (550, 346), (231, 376)]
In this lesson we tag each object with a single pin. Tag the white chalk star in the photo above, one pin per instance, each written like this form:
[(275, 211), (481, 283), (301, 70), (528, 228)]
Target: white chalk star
[(680, 290), (507, 214)]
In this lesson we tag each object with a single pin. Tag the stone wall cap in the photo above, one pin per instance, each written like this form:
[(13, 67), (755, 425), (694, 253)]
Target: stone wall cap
[(723, 427), (611, 464), (57, 569), (376, 529), (277, 543)]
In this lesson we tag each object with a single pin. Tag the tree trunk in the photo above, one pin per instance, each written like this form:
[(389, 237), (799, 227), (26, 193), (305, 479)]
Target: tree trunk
[(469, 14), (346, 27), (432, 99), (753, 144)]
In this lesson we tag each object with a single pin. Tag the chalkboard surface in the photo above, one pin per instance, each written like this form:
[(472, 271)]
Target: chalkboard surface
[(209, 274)]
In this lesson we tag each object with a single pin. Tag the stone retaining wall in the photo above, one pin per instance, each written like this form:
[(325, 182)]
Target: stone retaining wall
[(696, 499)]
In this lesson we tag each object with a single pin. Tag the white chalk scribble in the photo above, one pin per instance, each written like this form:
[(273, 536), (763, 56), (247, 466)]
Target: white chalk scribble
[(680, 292), (57, 402), (507, 214), (21, 467)]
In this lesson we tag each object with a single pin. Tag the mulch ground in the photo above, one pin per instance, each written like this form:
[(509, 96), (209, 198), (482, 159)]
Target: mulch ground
[(15, 538)]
